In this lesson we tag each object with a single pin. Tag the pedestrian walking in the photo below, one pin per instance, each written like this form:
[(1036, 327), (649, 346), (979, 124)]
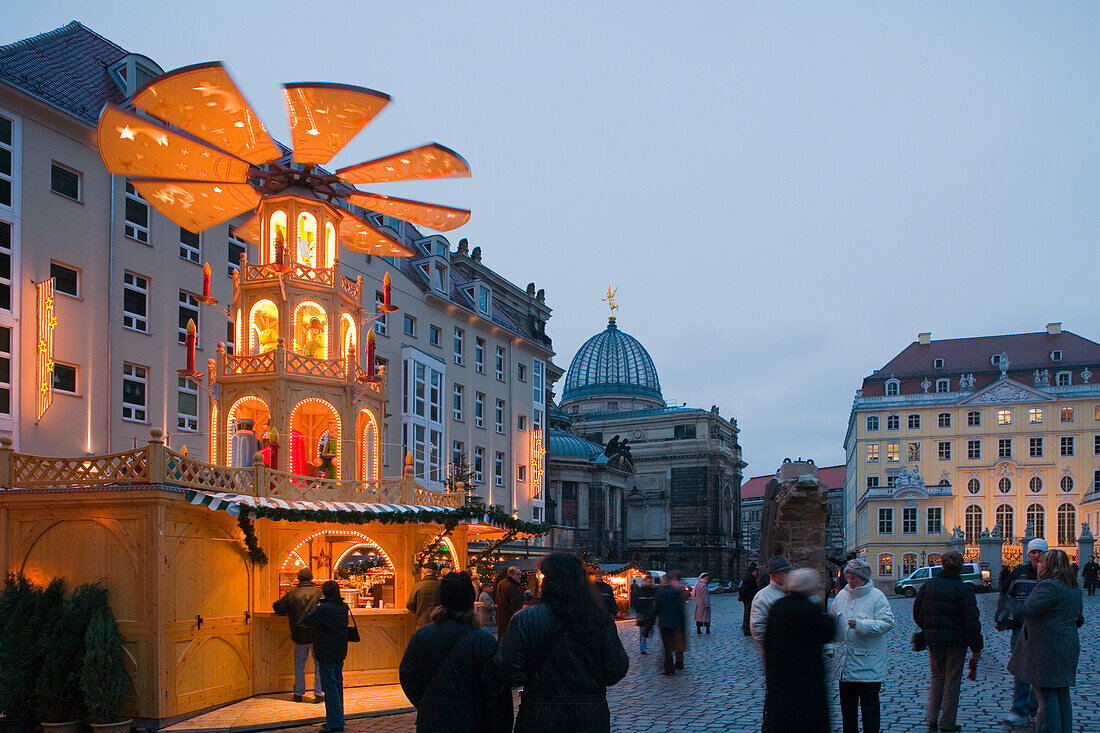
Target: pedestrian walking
[(794, 667), (509, 597), (605, 593), (947, 614), (1089, 574), (863, 618), (449, 671), (701, 593), (486, 608), (1017, 584), (745, 594), (777, 569), (641, 600), (671, 618), (1046, 656), (425, 595), (330, 647), (565, 652), (296, 604)]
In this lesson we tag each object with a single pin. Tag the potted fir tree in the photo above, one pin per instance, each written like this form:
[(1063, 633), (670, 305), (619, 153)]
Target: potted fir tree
[(103, 678), (60, 699), (19, 656)]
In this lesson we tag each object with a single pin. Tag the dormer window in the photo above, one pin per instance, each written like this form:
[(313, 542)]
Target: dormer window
[(893, 387), (1063, 379), (1056, 355), (943, 386), (133, 71), (937, 363)]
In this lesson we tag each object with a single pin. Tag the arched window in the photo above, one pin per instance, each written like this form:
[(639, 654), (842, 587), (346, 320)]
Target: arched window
[(276, 237), (239, 346), (1067, 524), (348, 337), (263, 328), (1037, 516), (330, 245), (974, 486), (872, 422), (1036, 484), (370, 457), (974, 418), (213, 456), (1066, 414), (305, 253), (1005, 516), (944, 419), (241, 443), (315, 435), (1067, 484), (311, 330), (933, 558), (1004, 485), (908, 563), (886, 565), (893, 386), (973, 526)]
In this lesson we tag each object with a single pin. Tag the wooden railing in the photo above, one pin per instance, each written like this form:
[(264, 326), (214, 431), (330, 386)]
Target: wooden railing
[(352, 288), (294, 271), (285, 361), (158, 464), (243, 365)]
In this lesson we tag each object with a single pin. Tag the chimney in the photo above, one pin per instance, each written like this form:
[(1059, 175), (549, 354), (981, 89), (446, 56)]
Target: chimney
[(924, 338), (1054, 328)]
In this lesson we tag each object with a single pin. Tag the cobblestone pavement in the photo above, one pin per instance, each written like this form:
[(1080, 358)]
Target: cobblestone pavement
[(723, 688)]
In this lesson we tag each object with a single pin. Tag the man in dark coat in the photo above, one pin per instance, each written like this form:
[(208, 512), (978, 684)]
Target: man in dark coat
[(1016, 585), (449, 669), (641, 600), (1089, 574), (425, 595), (745, 594), (605, 593), (947, 614), (330, 646), (295, 604), (669, 608), (509, 599), (794, 664)]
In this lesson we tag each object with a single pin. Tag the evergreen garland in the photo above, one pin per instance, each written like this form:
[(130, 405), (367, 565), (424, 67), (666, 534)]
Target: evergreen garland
[(490, 515), (248, 529)]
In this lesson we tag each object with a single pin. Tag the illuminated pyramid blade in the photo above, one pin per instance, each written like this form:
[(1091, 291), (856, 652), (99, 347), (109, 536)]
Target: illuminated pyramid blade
[(249, 229), (325, 117), (427, 161), (134, 146), (433, 216), (361, 236), (196, 206), (204, 101)]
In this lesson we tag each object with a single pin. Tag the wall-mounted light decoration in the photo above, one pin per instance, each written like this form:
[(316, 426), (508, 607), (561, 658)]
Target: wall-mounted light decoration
[(537, 452), (43, 349)]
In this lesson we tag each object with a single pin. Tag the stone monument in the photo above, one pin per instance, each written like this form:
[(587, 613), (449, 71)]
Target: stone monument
[(991, 553), (1085, 546), (794, 517)]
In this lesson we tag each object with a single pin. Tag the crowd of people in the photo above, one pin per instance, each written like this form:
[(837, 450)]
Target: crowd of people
[(563, 649)]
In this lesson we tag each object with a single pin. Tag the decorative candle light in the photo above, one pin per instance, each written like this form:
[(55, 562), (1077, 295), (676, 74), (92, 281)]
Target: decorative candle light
[(206, 280), (190, 344), (370, 352), (386, 290)]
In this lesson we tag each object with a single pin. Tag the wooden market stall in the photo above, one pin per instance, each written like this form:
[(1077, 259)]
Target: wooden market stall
[(620, 577)]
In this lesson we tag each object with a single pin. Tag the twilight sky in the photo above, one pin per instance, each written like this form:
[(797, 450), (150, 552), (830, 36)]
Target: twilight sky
[(784, 193)]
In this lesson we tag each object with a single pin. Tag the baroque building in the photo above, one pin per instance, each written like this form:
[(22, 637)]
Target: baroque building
[(679, 508), (998, 433)]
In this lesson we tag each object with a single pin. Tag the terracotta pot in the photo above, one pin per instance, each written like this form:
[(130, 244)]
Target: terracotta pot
[(72, 726), (122, 726)]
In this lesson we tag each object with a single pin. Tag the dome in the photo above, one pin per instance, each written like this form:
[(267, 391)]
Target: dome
[(568, 445), (612, 363)]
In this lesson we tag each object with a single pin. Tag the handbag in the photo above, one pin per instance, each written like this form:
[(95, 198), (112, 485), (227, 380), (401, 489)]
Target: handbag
[(353, 630), (917, 642)]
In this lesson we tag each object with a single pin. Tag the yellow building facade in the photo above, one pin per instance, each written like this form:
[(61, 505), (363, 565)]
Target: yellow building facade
[(995, 433)]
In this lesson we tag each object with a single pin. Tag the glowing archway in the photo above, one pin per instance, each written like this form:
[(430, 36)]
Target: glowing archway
[(263, 328), (276, 238), (348, 336), (370, 451), (311, 330), (248, 407), (213, 456), (305, 251), (238, 327), (315, 435), (330, 245)]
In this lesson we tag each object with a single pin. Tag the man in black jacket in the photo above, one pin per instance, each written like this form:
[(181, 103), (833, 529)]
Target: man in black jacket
[(295, 604), (1017, 585), (745, 594), (947, 614), (669, 607), (330, 646), (641, 600)]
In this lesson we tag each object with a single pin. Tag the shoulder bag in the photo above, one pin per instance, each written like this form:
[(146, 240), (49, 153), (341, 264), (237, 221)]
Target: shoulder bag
[(353, 630)]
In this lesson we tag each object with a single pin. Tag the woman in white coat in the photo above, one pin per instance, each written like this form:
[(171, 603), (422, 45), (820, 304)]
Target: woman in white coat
[(863, 618)]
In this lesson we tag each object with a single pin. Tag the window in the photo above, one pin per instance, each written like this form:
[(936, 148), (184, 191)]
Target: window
[(908, 562), (1066, 445), (937, 363), (433, 335), (479, 409), (498, 469), (483, 300), (886, 564), (1096, 413), (1004, 417), (872, 482), (1035, 484), (892, 387), (872, 423), (1004, 448), (1035, 415), (1067, 524), (943, 449), (5, 264), (521, 422), (1063, 379), (973, 419), (1096, 445), (1096, 480), (1067, 484), (909, 520), (65, 378), (500, 364), (1066, 413), (380, 324), (914, 422), (872, 452), (134, 383), (893, 422), (893, 452), (521, 372), (972, 523), (188, 405), (65, 181), (5, 368), (456, 399), (974, 449), (459, 336), (479, 355), (943, 386), (422, 415), (1004, 517), (458, 450), (188, 311), (190, 246), (1004, 485), (230, 338), (135, 302), (410, 325), (235, 247), (934, 558), (521, 472), (137, 215), (913, 452), (1035, 447), (885, 520), (1056, 355), (933, 520), (1037, 516), (499, 417), (944, 419), (974, 486), (7, 148), (479, 464), (65, 279)]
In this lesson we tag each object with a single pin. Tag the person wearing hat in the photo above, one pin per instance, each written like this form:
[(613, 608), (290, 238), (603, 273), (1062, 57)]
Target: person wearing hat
[(1016, 585), (863, 618), (701, 594), (296, 604), (449, 669), (425, 594), (777, 568)]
